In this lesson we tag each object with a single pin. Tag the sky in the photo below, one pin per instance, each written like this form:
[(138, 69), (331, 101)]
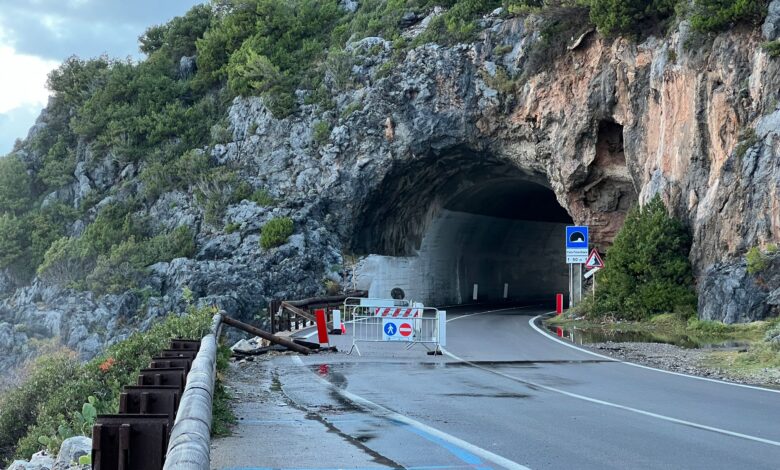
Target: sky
[(36, 36)]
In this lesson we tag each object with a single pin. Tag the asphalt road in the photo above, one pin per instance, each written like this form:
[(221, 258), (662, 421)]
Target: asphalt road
[(505, 396)]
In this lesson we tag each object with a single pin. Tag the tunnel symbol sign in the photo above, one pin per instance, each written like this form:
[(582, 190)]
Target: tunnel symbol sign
[(577, 237)]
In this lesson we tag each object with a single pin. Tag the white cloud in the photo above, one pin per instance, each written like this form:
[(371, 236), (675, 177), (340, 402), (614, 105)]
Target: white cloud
[(23, 81)]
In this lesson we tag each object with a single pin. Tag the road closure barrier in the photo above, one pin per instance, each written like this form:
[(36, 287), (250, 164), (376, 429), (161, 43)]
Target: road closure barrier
[(395, 321)]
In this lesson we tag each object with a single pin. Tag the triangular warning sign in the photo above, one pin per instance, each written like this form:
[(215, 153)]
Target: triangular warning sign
[(594, 260)]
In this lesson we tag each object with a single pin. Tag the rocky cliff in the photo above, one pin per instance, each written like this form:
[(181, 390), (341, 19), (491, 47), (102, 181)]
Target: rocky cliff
[(609, 122)]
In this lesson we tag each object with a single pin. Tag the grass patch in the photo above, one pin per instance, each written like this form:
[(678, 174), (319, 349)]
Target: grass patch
[(756, 359)]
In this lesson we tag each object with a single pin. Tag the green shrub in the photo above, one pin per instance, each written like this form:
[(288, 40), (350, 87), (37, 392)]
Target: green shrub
[(263, 198), (351, 109), (19, 407), (160, 177), (747, 139), (14, 240), (717, 15), (218, 190), (630, 17), (124, 266), (15, 186), (58, 165), (287, 38), (647, 271), (46, 404), (772, 48), (276, 232), (47, 225), (758, 260), (178, 37), (232, 227), (321, 132)]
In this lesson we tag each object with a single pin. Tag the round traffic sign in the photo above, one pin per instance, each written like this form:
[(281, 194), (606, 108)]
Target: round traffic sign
[(390, 329), (405, 329)]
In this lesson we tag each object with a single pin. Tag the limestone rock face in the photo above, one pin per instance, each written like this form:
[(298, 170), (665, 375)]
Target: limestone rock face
[(607, 124)]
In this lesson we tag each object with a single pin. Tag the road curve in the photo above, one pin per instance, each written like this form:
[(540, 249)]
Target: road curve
[(510, 396)]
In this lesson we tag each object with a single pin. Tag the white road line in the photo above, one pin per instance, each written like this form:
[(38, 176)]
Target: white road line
[(491, 311), (532, 322), (615, 405), (478, 451)]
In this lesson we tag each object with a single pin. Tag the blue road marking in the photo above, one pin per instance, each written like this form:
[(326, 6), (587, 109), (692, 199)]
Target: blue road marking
[(462, 454)]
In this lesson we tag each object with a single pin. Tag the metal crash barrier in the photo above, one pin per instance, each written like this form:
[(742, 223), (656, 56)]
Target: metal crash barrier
[(395, 321)]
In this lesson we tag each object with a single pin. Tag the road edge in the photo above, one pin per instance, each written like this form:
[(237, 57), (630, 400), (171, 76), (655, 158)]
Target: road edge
[(532, 323)]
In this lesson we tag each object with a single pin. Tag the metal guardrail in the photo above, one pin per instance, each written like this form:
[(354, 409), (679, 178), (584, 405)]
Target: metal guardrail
[(190, 441)]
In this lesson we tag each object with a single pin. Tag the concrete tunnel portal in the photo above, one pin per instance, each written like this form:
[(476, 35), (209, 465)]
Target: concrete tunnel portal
[(438, 226)]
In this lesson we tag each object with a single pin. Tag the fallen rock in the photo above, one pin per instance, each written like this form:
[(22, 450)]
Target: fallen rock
[(70, 452)]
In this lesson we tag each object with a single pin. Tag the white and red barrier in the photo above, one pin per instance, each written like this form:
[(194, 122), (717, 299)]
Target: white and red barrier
[(398, 312)]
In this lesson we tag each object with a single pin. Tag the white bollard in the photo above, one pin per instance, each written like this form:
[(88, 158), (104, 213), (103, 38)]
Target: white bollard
[(442, 328)]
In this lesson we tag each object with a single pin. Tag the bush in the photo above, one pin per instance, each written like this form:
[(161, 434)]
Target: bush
[(647, 271), (758, 260), (15, 186), (772, 48), (62, 388), (124, 266), (19, 407), (321, 132), (103, 378), (276, 232), (717, 15), (630, 17), (263, 198), (14, 240), (59, 165), (160, 177), (218, 190)]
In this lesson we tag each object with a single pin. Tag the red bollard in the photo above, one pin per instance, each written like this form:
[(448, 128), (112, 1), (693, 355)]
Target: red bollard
[(322, 327), (558, 304)]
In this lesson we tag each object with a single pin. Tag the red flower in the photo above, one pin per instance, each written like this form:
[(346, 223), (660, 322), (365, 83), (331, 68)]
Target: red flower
[(107, 365)]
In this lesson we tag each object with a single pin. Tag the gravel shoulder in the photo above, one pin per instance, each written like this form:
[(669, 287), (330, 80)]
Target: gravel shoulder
[(688, 361)]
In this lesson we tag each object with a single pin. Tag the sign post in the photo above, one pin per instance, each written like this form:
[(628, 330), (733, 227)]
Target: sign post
[(593, 264), (576, 253)]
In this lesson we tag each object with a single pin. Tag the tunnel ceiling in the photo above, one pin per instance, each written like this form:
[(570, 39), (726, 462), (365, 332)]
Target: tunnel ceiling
[(394, 217), (510, 198)]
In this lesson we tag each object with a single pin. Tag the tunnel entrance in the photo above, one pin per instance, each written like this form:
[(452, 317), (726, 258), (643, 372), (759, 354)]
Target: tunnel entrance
[(444, 229)]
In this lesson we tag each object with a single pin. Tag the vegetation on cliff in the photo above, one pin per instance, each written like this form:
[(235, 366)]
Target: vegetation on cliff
[(47, 404), (648, 272), (154, 116)]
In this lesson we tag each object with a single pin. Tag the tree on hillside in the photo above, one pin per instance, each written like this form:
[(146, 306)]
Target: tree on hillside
[(648, 271)]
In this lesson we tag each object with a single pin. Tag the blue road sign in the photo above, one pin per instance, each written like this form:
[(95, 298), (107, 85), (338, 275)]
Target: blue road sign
[(390, 329), (577, 237)]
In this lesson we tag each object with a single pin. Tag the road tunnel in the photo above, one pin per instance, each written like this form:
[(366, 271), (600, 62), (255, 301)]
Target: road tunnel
[(458, 227)]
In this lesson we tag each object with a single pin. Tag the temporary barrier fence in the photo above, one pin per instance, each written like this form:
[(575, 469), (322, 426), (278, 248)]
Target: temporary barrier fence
[(386, 320)]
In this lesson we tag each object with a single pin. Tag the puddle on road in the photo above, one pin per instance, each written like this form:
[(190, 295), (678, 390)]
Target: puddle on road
[(603, 335)]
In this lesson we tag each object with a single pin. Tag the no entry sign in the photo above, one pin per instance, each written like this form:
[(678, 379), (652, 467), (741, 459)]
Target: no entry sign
[(397, 330)]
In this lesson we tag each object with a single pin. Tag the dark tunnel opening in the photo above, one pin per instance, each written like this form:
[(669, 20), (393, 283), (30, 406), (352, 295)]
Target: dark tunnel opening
[(462, 228)]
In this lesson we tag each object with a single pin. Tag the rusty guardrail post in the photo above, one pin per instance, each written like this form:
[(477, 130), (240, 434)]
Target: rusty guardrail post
[(190, 441)]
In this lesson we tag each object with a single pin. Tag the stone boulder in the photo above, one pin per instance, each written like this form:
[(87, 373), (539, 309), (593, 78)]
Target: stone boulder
[(70, 451)]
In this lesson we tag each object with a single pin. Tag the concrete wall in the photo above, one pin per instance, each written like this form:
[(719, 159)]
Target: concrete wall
[(460, 249)]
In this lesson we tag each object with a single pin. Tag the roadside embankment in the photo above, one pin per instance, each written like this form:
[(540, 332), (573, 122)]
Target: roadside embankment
[(745, 353)]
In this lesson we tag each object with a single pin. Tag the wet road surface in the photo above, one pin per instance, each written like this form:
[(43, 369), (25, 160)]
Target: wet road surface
[(505, 396)]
